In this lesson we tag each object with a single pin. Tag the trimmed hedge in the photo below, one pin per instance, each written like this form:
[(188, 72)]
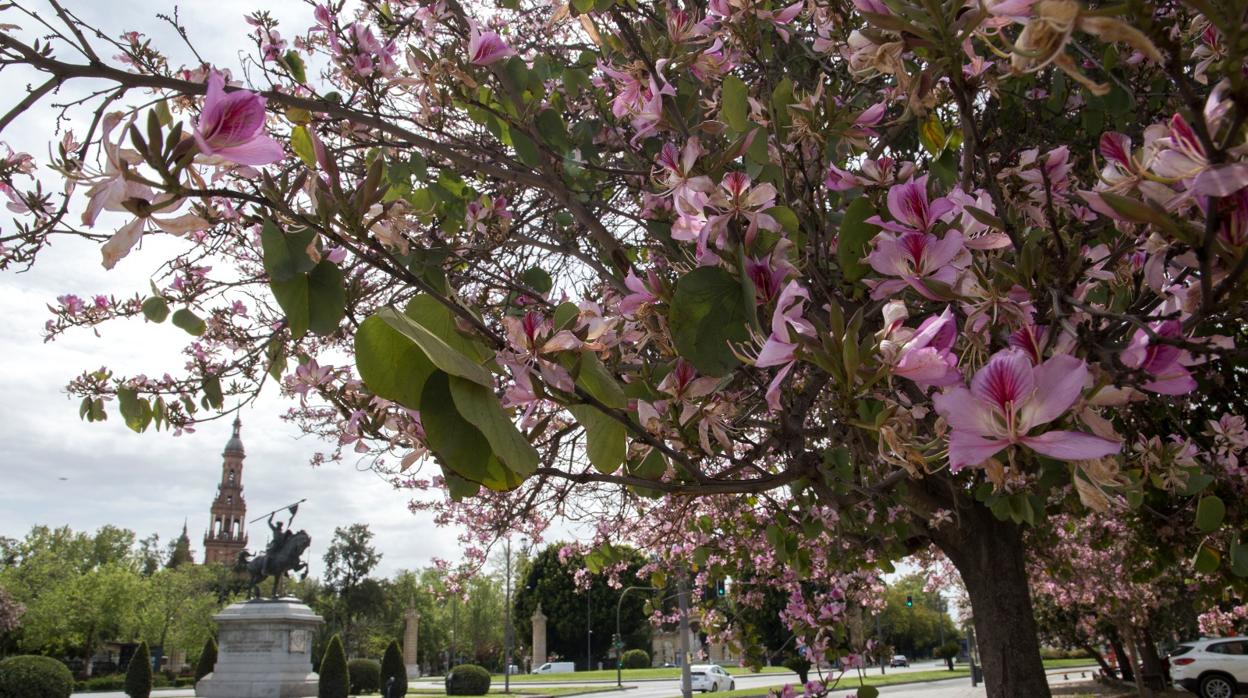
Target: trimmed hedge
[(468, 680), (139, 673), (29, 676), (334, 683), (207, 660), (392, 667), (635, 659), (364, 675)]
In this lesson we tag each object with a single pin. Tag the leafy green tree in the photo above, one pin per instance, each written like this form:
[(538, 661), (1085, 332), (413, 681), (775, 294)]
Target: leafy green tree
[(393, 669), (915, 630), (178, 607), (207, 659), (349, 560), (139, 673), (948, 652), (551, 583), (334, 683)]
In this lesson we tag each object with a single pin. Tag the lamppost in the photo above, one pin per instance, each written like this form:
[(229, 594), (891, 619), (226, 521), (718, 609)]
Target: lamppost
[(589, 631), (619, 639), (508, 631)]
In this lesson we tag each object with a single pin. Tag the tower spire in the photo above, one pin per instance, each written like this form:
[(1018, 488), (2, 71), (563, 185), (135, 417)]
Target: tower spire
[(227, 535)]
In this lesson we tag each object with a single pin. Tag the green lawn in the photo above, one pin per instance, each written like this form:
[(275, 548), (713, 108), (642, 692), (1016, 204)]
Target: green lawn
[(850, 681), (1063, 663), (629, 675)]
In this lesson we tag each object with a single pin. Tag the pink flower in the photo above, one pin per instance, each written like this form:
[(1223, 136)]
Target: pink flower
[(231, 126), (1009, 398), (914, 257), (780, 347), (1165, 361), (927, 357), (643, 292), (910, 209), (486, 48)]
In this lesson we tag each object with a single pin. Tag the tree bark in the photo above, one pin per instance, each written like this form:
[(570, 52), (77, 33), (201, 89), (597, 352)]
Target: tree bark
[(1100, 659), (1124, 662), (989, 555)]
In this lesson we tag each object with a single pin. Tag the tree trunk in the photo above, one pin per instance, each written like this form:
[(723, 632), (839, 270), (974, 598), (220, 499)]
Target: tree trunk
[(989, 555), (1100, 659), (1124, 662), (1150, 660)]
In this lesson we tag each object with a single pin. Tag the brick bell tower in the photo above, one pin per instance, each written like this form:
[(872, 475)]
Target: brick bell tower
[(226, 536)]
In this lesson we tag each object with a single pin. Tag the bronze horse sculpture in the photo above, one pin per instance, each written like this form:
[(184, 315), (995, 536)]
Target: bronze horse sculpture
[(275, 565)]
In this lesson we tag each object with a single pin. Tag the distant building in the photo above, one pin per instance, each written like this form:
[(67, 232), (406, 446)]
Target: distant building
[(226, 535)]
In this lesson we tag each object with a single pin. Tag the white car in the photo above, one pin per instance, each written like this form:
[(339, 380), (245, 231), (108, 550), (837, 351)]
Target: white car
[(1212, 668), (709, 678)]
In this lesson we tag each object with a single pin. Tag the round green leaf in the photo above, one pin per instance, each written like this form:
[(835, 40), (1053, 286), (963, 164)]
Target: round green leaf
[(459, 445), (155, 309), (606, 437), (1209, 513), (707, 315), (391, 365)]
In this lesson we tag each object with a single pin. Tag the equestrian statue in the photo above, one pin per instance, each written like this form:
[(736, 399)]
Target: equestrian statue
[(280, 558)]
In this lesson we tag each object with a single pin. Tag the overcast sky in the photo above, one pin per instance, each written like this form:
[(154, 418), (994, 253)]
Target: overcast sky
[(152, 482)]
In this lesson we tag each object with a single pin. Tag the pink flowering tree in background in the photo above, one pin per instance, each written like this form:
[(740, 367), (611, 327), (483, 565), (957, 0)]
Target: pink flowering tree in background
[(784, 291)]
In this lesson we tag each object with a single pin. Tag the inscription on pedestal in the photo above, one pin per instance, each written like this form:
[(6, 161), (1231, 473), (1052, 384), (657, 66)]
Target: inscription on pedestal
[(249, 641)]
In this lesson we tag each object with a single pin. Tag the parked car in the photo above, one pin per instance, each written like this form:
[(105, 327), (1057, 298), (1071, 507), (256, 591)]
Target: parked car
[(556, 668), (709, 678), (899, 660), (1212, 667)]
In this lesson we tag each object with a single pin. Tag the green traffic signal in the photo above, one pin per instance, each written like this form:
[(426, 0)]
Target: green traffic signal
[(909, 601)]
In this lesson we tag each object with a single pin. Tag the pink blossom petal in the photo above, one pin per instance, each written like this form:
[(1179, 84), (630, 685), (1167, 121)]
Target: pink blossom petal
[(968, 449), (260, 151), (773, 388), (1221, 181), (1058, 381), (963, 411), (1071, 445)]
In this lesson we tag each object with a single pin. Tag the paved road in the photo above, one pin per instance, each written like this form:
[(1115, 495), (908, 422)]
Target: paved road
[(667, 688)]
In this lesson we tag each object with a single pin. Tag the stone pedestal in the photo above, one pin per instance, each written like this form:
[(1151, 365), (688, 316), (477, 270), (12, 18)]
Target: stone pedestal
[(411, 635), (264, 651), (539, 637)]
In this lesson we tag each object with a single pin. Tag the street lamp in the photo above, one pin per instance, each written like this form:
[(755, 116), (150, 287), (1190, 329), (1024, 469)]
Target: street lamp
[(619, 639), (508, 631)]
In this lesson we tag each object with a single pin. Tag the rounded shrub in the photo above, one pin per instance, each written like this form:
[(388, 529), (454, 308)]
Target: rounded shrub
[(635, 659), (28, 676), (139, 673), (468, 680), (207, 660), (365, 675), (334, 681), (392, 667)]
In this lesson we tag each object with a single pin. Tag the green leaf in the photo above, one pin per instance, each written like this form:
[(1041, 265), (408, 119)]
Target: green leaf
[(1209, 513), (565, 313), (606, 437), (286, 254), (449, 359), (390, 364), (537, 279), (932, 135), (855, 236), (212, 391), (735, 104), (1239, 559), (438, 319), (155, 309), (526, 149), (652, 466), (458, 444), (553, 130), (294, 62), (707, 314), (598, 381), (1206, 560), (327, 298), (301, 143), (459, 488), (315, 301), (189, 321), (785, 217), (482, 409), (136, 412)]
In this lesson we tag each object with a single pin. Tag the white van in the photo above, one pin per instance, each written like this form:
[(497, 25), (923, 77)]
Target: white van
[(556, 668)]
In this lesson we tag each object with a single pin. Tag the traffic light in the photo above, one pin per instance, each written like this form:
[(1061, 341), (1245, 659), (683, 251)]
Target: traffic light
[(721, 588), (909, 601)]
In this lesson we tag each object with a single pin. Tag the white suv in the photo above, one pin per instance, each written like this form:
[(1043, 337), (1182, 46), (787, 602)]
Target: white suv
[(1213, 668), (710, 678)]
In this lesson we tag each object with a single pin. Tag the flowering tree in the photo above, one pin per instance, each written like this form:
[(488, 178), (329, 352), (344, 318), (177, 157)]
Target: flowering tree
[(803, 287)]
